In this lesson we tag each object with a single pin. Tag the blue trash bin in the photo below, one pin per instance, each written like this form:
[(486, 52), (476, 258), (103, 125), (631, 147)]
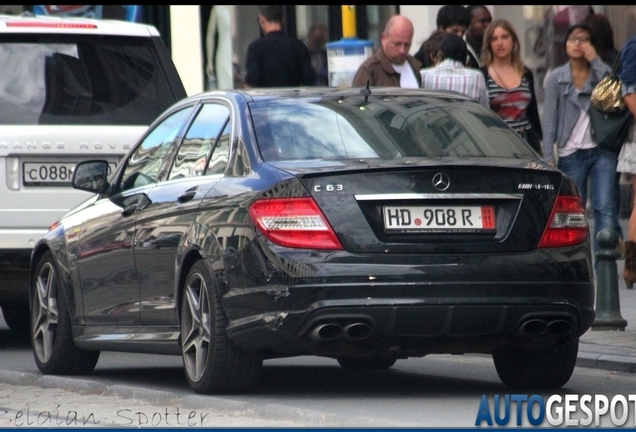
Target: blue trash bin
[(344, 57)]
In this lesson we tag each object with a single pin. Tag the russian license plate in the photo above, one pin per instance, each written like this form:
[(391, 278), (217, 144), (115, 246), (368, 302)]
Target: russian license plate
[(442, 218), (51, 174)]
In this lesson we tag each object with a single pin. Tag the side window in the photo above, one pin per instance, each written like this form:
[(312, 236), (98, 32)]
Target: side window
[(142, 167), (221, 152), (194, 152)]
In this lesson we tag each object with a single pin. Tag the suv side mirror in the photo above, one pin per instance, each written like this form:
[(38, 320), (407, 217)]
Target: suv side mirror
[(91, 176)]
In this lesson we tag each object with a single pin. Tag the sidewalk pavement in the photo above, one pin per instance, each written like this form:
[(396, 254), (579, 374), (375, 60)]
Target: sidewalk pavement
[(613, 349)]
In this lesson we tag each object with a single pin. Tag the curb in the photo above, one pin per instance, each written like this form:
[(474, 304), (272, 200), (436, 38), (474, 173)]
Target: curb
[(608, 362)]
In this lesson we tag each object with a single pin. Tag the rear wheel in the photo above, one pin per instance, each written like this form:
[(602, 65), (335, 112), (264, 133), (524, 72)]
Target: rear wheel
[(549, 368), (212, 363), (16, 316), (374, 362), (51, 333)]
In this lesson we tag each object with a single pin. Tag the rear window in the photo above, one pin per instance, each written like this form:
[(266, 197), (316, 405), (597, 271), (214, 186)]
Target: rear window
[(80, 79), (382, 127)]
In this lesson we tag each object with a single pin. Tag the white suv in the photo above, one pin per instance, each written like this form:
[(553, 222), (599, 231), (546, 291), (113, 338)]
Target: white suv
[(70, 89)]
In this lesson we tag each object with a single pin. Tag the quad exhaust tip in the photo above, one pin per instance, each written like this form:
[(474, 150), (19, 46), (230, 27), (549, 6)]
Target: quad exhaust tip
[(540, 327), (326, 332), (333, 330), (357, 331), (560, 327), (360, 330)]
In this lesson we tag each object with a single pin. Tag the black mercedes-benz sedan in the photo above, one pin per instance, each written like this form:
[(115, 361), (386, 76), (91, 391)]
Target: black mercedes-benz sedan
[(367, 226)]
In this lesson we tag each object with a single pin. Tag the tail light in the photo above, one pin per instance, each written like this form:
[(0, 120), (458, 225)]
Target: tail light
[(295, 223), (567, 225)]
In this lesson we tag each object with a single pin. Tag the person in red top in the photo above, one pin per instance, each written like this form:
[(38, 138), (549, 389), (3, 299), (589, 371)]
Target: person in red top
[(510, 84)]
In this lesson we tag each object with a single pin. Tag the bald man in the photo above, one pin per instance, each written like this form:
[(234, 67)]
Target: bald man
[(392, 65)]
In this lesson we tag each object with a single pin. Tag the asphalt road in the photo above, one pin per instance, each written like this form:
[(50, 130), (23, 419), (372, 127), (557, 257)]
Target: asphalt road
[(434, 391)]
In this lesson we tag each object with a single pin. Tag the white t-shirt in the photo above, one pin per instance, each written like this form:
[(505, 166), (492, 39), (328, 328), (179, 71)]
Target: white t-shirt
[(581, 137), (407, 76)]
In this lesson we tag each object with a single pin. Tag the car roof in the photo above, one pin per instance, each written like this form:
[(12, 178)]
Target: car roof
[(305, 92), (19, 24)]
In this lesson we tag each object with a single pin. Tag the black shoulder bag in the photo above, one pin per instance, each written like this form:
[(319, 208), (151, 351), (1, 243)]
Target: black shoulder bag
[(609, 117)]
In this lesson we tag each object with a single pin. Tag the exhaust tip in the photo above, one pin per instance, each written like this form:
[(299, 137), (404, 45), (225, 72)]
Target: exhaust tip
[(326, 332), (357, 331), (560, 327), (534, 327)]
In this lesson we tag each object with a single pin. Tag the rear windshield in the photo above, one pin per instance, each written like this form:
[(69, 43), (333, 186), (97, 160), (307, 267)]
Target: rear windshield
[(80, 79), (382, 127)]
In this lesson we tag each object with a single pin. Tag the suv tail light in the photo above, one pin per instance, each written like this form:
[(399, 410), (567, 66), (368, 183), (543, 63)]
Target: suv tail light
[(294, 222), (567, 225)]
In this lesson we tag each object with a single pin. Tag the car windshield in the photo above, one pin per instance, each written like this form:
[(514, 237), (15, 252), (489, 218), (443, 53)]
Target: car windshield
[(385, 127), (80, 79)]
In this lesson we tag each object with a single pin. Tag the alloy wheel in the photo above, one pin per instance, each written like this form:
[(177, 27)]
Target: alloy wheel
[(195, 327), (45, 312)]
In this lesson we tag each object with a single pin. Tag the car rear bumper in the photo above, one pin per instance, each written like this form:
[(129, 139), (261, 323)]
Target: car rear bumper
[(418, 303), (425, 318)]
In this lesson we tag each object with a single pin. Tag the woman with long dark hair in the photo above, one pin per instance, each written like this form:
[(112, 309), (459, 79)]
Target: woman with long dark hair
[(566, 125)]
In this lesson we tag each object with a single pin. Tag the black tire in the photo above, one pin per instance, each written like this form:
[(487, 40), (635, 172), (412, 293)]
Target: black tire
[(546, 369), (51, 333), (16, 316), (212, 364), (374, 362)]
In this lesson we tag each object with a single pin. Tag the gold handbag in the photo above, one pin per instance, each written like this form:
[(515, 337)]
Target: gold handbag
[(606, 96)]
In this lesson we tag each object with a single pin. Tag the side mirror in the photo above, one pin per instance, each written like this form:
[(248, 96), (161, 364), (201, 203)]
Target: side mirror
[(91, 176)]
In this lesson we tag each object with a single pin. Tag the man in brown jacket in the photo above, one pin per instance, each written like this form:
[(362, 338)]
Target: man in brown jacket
[(391, 65)]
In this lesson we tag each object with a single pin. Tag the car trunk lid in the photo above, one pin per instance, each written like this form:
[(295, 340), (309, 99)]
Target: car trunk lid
[(450, 207)]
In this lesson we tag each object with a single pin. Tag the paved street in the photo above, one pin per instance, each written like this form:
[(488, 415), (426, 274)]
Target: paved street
[(30, 400), (33, 406)]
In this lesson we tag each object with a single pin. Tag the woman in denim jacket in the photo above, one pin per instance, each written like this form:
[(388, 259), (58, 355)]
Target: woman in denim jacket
[(567, 124)]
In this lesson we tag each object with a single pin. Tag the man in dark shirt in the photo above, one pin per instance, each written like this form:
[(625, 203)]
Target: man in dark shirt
[(474, 37), (450, 19), (276, 59), (453, 19)]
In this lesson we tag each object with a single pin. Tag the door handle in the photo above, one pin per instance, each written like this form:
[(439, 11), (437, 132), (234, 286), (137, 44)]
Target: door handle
[(187, 195)]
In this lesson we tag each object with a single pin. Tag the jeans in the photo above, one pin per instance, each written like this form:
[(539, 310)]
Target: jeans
[(599, 166)]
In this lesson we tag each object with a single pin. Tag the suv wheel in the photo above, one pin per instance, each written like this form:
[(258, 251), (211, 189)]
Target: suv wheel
[(16, 316), (549, 368), (51, 332), (212, 364)]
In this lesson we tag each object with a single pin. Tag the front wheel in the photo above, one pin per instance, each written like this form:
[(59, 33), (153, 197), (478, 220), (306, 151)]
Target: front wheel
[(51, 333), (212, 364), (545, 369)]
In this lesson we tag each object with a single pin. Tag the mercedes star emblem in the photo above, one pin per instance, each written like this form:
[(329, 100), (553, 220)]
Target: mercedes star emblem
[(441, 181)]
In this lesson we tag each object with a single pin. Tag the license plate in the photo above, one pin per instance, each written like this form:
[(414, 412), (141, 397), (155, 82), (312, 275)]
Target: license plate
[(51, 174), (439, 218)]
